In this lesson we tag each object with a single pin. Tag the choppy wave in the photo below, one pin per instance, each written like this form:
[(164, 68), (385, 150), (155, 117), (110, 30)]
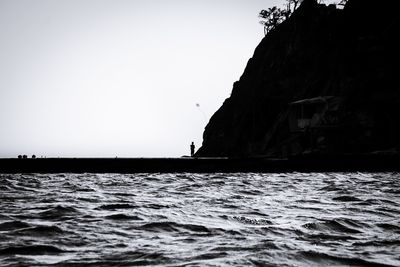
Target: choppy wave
[(293, 219)]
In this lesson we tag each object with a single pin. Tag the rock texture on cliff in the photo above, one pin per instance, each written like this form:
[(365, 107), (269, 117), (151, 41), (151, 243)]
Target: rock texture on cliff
[(325, 80)]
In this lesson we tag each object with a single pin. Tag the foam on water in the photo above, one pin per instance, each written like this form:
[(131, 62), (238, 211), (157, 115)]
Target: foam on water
[(292, 219)]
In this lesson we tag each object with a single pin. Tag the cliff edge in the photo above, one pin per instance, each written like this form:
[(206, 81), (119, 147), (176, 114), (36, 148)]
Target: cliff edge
[(323, 81)]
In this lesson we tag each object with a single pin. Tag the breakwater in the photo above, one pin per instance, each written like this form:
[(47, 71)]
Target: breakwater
[(370, 163)]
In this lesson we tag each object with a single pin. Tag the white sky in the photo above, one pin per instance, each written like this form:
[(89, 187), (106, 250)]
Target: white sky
[(106, 78)]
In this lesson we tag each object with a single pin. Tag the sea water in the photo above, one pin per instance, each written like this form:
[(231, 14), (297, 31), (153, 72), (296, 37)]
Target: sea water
[(241, 219)]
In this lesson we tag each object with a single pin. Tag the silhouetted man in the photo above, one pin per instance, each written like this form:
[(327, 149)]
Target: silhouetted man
[(192, 147)]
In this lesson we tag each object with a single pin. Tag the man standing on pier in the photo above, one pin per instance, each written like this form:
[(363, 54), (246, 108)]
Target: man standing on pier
[(192, 147)]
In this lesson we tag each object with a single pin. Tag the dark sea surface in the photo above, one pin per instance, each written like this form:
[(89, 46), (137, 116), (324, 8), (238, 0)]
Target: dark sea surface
[(293, 219)]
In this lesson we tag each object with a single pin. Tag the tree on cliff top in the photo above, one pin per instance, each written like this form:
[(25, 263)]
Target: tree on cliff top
[(274, 16)]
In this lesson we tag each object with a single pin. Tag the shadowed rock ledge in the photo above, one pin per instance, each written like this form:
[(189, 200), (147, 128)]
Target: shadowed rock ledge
[(324, 81)]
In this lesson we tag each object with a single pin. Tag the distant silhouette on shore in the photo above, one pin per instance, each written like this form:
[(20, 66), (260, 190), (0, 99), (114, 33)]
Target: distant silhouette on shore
[(192, 148)]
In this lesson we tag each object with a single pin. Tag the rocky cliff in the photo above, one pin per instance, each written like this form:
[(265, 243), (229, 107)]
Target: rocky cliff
[(325, 80)]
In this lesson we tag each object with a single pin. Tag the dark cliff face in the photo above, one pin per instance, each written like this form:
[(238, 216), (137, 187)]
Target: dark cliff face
[(320, 53)]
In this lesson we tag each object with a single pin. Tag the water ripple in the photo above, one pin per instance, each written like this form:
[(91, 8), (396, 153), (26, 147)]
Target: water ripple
[(282, 219)]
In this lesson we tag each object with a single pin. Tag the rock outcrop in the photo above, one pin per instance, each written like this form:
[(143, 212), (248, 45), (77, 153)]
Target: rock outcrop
[(325, 80)]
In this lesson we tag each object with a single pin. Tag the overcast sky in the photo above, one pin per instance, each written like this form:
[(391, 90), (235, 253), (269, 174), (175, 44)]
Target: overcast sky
[(106, 78)]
